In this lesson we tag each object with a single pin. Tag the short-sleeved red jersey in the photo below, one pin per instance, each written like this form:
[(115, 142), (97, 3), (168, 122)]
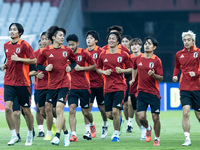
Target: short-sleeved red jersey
[(96, 79), (187, 61), (123, 48), (147, 83), (58, 77), (17, 73), (41, 84), (114, 82), (80, 79)]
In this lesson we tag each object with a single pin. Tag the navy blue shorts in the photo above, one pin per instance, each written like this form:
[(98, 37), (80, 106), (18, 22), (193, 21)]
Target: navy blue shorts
[(191, 98), (82, 94), (98, 93), (16, 105), (144, 99), (22, 93), (134, 101), (114, 100), (57, 95)]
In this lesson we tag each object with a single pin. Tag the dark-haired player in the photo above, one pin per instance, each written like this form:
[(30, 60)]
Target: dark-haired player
[(149, 69), (19, 55), (80, 88), (113, 63), (57, 57)]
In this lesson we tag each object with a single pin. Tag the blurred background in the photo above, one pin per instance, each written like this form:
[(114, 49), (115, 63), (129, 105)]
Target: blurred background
[(164, 20)]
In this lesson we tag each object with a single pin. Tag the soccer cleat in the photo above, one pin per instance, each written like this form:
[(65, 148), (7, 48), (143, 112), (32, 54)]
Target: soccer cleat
[(148, 135), (104, 132), (93, 131), (66, 139), (54, 127), (19, 138), (13, 140), (129, 129), (73, 139), (121, 126), (41, 134), (143, 133), (55, 141), (33, 132), (156, 143), (187, 143), (115, 139), (47, 138), (87, 136), (29, 140)]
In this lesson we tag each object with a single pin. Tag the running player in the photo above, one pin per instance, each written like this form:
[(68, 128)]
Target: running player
[(96, 80), (57, 56), (19, 55), (187, 60), (111, 64), (149, 69)]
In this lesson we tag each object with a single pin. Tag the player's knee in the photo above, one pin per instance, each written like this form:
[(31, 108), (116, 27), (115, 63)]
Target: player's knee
[(101, 108), (16, 113), (59, 110), (8, 110)]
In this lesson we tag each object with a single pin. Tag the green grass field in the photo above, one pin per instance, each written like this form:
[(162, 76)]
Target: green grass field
[(171, 135)]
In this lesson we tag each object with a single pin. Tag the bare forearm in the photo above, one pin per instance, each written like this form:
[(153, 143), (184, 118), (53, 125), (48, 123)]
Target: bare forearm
[(157, 77), (28, 60)]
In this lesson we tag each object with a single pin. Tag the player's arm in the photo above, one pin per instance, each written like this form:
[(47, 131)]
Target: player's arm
[(176, 69), (24, 60), (155, 76), (105, 72), (120, 70), (134, 73), (33, 70), (88, 68), (3, 67)]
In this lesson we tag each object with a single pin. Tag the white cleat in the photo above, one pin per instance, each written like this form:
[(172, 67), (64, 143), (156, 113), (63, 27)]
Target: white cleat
[(187, 143), (104, 132), (66, 139), (55, 141), (13, 140), (29, 140)]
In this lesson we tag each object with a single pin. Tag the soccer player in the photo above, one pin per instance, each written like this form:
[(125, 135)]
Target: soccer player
[(149, 69), (19, 55), (128, 110), (96, 80), (135, 45), (80, 88), (57, 56), (112, 65), (187, 60)]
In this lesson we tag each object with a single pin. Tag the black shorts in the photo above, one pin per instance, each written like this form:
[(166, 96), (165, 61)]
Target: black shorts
[(16, 105), (22, 93), (42, 97), (144, 99), (98, 93), (82, 94), (127, 95), (134, 101), (191, 98), (114, 99), (57, 95), (127, 76), (36, 97)]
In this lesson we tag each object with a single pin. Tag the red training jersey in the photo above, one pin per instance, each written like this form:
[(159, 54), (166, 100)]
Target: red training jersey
[(147, 83), (96, 79), (80, 79), (17, 73), (187, 61), (119, 46), (41, 84), (114, 82), (58, 57)]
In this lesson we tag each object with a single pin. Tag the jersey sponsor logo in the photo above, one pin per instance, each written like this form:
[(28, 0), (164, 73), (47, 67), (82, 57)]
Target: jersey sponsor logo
[(6, 50), (65, 54), (195, 54), (119, 59), (25, 104), (151, 64), (105, 60), (79, 58), (95, 55), (140, 64), (157, 110), (61, 99), (51, 55), (182, 56), (18, 50)]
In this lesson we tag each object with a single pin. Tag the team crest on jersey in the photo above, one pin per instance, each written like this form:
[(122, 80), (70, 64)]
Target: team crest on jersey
[(18, 50), (151, 64), (79, 58), (119, 59), (195, 54), (64, 54), (95, 55)]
